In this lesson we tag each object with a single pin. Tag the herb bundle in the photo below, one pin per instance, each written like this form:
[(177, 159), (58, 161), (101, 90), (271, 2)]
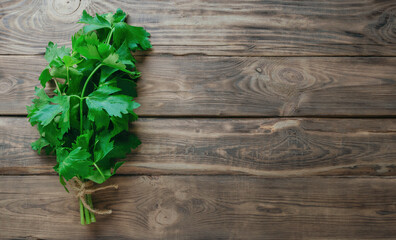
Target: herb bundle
[(85, 124)]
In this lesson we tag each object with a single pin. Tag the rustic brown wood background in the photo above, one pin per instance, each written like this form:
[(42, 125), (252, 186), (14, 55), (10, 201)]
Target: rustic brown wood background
[(259, 120)]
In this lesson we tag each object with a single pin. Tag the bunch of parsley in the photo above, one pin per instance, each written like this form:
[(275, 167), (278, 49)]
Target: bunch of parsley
[(85, 124)]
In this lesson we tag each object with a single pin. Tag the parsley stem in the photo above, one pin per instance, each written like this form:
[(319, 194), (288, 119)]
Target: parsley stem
[(82, 96), (99, 171), (75, 96), (109, 36), (82, 213), (89, 197), (87, 217), (57, 86), (67, 75)]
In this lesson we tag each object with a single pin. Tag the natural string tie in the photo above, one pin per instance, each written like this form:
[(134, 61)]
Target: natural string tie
[(83, 188)]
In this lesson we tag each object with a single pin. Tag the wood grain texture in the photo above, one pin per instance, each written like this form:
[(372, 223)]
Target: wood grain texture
[(236, 86), (204, 207), (220, 27), (262, 147)]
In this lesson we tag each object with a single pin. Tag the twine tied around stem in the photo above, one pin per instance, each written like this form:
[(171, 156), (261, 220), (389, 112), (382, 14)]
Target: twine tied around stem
[(83, 188)]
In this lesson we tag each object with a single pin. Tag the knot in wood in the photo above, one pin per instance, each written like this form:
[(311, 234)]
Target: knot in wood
[(66, 7)]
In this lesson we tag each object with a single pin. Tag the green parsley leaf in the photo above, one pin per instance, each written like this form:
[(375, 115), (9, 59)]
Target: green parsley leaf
[(39, 144), (74, 163), (71, 61), (119, 124), (103, 145), (123, 143), (114, 105), (113, 60), (136, 38), (45, 77), (51, 133), (46, 114), (64, 120), (106, 72), (95, 23), (83, 140), (119, 16), (116, 166), (128, 86), (54, 53), (125, 56)]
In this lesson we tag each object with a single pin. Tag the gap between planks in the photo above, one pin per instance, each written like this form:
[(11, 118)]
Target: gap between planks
[(243, 117), (54, 174), (143, 54)]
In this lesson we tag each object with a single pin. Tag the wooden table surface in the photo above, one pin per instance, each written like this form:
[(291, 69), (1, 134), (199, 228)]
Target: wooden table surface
[(259, 120)]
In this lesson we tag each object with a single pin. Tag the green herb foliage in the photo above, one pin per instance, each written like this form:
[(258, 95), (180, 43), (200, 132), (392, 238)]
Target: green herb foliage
[(85, 124)]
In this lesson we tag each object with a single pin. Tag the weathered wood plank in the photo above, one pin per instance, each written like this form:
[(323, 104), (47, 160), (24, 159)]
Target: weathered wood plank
[(263, 147), (220, 27), (236, 86), (204, 207)]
